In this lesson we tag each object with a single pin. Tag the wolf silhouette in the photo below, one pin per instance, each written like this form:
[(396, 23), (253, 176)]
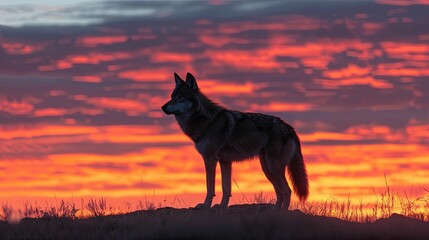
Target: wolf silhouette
[(224, 136)]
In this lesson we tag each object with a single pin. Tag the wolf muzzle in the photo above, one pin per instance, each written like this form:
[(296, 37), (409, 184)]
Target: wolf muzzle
[(165, 109)]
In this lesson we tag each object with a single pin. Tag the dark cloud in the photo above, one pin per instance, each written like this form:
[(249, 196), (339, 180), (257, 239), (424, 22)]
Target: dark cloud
[(37, 61)]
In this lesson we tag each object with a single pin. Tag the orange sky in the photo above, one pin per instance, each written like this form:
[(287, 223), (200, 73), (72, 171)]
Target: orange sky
[(80, 108)]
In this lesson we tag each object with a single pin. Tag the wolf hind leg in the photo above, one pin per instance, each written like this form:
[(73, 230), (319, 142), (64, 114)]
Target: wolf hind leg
[(277, 168), (286, 190), (270, 177)]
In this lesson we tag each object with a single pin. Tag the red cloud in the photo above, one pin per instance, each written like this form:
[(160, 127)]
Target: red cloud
[(17, 48), (146, 75), (256, 60), (231, 89), (18, 107), (93, 58), (407, 51), (311, 54), (402, 69), (282, 107), (171, 57), (88, 79), (43, 112), (397, 48), (279, 23), (93, 41), (131, 107), (367, 80), (351, 70), (20, 131), (376, 132), (50, 112), (403, 2)]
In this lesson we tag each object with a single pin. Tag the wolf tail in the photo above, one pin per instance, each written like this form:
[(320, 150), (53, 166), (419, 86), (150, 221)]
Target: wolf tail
[(298, 172)]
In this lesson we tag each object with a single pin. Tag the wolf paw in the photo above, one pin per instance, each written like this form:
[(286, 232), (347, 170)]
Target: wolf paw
[(201, 206)]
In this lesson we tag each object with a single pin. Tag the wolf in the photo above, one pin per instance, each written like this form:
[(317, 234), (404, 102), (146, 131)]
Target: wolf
[(225, 136)]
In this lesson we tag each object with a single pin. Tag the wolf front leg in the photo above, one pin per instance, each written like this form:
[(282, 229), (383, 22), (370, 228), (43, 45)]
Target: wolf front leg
[(210, 166), (225, 168)]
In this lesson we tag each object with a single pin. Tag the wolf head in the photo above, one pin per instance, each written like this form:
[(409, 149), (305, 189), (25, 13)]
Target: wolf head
[(184, 96)]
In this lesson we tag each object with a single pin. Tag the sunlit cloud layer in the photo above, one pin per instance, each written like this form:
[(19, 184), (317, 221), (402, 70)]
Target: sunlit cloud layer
[(80, 103)]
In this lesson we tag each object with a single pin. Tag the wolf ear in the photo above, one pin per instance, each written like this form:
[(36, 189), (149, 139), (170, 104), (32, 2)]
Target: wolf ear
[(191, 82), (178, 80)]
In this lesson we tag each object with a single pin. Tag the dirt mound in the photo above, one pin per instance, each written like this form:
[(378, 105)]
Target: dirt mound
[(253, 221)]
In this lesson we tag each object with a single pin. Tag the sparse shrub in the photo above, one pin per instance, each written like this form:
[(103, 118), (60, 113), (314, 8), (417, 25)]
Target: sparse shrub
[(386, 203), (260, 198), (30, 211), (7, 211), (127, 206), (146, 205), (97, 208), (64, 210), (67, 210)]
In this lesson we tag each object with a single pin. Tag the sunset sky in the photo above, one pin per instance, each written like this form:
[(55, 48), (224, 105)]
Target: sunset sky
[(81, 86)]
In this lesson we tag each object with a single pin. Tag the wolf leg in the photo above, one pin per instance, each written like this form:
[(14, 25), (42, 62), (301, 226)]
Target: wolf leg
[(278, 172), (225, 168), (270, 177), (287, 192), (210, 165)]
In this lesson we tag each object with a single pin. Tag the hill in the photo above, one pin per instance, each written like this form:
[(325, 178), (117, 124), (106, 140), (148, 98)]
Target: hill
[(253, 221)]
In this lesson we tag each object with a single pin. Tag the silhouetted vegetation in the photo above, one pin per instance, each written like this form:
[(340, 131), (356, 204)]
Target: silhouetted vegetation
[(248, 221), (391, 216)]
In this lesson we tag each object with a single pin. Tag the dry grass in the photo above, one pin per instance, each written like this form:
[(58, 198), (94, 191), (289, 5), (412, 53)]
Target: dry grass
[(63, 209), (386, 203), (97, 208), (252, 220)]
